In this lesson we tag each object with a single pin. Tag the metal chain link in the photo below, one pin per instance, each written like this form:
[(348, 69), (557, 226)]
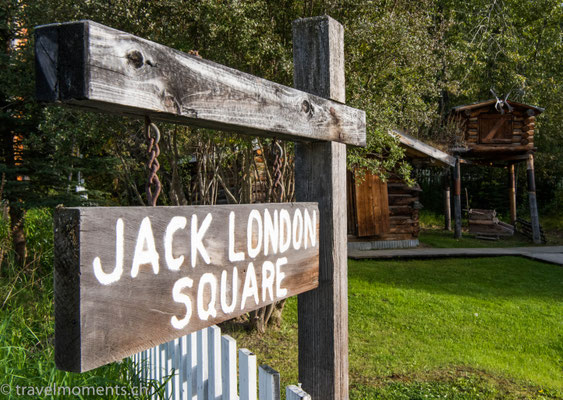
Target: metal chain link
[(153, 186), (278, 189)]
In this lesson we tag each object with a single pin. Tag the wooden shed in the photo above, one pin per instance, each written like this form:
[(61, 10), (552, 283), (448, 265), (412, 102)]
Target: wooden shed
[(384, 214)]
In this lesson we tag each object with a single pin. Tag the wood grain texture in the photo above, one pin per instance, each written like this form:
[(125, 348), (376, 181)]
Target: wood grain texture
[(67, 285), (320, 175), (90, 65), (372, 206), (512, 193), (447, 201), (457, 199), (534, 214), (423, 148), (100, 320)]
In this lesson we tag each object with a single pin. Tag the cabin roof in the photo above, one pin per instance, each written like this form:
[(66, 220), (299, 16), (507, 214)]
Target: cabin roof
[(415, 148), (490, 102)]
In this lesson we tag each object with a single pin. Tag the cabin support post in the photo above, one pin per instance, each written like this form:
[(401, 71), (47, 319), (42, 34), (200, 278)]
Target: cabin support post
[(534, 217), (457, 198), (512, 193), (320, 175), (447, 201)]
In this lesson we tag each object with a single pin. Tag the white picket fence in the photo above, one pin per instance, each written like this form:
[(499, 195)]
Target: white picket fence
[(203, 366)]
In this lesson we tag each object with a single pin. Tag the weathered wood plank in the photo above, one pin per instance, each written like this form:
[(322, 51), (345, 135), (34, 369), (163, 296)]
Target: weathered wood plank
[(534, 215), (229, 367), (215, 387), (424, 148), (446, 182), (247, 374), (86, 64), (129, 278), (293, 392), (457, 199), (320, 175), (268, 383)]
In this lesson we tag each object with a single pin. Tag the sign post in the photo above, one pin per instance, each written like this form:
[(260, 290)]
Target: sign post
[(129, 278), (320, 176)]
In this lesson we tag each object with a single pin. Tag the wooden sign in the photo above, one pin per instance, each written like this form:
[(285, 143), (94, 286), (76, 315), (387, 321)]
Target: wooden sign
[(90, 65), (130, 278)]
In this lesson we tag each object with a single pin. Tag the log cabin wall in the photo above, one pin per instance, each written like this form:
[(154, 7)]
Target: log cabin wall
[(380, 210), (486, 129)]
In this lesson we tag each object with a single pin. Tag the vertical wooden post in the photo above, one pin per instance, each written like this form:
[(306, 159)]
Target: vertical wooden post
[(320, 175), (457, 198), (512, 193), (447, 201), (532, 200)]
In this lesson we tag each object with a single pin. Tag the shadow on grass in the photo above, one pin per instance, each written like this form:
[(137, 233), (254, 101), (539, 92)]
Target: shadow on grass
[(498, 277)]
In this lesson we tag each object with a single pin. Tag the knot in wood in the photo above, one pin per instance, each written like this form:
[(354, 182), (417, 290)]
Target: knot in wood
[(306, 107), (135, 58)]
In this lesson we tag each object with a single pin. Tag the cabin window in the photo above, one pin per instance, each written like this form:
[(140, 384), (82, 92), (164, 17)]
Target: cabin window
[(495, 128)]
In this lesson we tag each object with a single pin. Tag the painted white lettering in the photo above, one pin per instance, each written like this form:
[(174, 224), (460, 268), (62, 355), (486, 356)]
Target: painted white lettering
[(106, 279), (197, 239), (310, 229), (271, 229), (205, 311), (233, 256), (250, 286), (175, 224), (280, 292), (268, 276), (179, 297), (285, 231), (142, 256), (227, 309), (297, 229), (251, 250)]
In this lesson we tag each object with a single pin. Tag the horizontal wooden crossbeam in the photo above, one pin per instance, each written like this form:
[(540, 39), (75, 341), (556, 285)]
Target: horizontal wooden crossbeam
[(90, 65)]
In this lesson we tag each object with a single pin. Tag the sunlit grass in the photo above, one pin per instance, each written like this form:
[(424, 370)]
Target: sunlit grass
[(454, 328)]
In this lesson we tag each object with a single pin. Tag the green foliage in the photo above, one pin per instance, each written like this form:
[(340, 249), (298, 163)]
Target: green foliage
[(407, 63)]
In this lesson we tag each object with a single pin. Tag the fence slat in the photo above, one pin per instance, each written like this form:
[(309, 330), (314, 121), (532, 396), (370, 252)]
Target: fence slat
[(214, 354), (162, 370), (145, 366), (268, 383), (154, 361), (247, 374), (293, 392), (171, 368), (202, 365), (229, 367)]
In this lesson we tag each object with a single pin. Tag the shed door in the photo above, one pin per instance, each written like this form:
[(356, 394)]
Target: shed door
[(495, 128), (372, 206)]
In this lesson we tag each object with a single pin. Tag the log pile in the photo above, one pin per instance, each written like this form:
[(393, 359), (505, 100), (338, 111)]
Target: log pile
[(485, 224), (403, 209), (525, 228)]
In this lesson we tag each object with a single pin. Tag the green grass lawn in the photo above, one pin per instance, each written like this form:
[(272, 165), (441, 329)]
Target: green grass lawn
[(453, 328), (440, 238)]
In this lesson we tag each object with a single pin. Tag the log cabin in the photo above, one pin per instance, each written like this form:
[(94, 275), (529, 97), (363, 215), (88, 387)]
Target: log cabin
[(499, 133), (385, 213), (497, 128)]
